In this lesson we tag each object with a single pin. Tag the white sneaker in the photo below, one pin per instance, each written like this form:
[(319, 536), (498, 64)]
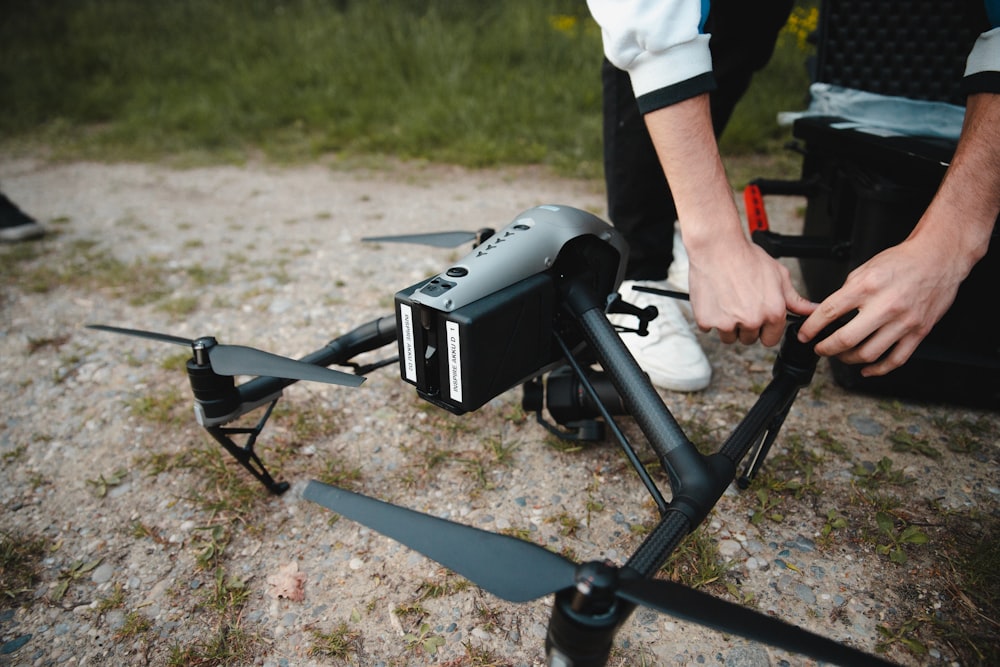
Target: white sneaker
[(677, 273), (670, 353)]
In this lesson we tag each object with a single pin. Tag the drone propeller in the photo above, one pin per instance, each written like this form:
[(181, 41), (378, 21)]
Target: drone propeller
[(241, 360), (436, 239), (520, 571), (480, 556)]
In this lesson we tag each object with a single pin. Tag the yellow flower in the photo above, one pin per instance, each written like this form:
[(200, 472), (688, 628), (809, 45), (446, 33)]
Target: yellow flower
[(801, 23), (563, 22)]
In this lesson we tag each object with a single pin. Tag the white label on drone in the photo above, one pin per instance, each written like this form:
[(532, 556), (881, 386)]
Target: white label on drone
[(454, 361), (409, 345)]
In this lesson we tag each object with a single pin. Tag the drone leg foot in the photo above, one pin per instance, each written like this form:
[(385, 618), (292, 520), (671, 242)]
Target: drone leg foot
[(245, 455), (757, 456)]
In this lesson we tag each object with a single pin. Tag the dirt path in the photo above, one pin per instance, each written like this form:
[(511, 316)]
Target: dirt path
[(151, 547)]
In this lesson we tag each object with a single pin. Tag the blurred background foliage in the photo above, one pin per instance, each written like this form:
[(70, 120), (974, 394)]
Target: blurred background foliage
[(475, 84)]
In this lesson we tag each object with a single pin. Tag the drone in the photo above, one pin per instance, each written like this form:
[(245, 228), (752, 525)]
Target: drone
[(529, 306)]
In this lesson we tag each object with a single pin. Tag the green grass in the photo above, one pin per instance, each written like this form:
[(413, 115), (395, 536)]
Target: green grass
[(20, 566), (475, 84)]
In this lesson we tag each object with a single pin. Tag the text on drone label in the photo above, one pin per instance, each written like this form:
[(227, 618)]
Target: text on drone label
[(454, 361)]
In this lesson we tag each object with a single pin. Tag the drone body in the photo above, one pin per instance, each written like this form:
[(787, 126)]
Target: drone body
[(485, 324), (527, 299)]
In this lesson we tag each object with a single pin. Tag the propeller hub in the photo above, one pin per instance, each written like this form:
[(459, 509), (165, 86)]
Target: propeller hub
[(595, 584), (200, 347)]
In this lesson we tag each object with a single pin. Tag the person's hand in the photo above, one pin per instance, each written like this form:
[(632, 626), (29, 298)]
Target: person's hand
[(735, 286), (743, 293), (900, 294)]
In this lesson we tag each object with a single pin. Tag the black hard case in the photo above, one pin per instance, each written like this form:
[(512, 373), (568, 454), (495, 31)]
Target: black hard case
[(866, 191)]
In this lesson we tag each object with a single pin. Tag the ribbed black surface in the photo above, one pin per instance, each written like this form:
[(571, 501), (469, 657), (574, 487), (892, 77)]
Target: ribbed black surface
[(911, 48), (659, 544)]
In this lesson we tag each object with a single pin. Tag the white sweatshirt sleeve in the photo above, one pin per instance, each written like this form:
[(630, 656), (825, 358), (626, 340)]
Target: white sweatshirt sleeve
[(982, 69), (660, 44)]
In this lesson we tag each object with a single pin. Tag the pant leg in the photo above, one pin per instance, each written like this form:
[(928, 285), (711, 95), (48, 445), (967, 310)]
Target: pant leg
[(640, 203), (744, 33)]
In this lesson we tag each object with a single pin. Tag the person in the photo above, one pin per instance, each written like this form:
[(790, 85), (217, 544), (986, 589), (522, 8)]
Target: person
[(15, 224), (641, 205), (735, 287)]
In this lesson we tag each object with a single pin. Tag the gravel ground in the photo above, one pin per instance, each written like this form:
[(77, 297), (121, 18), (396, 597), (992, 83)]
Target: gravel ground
[(149, 546)]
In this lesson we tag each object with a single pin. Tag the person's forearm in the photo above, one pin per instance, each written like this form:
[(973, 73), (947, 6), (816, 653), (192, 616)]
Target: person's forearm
[(736, 288), (966, 206), (685, 143)]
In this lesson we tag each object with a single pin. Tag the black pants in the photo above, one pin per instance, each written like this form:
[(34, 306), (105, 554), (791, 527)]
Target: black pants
[(640, 204)]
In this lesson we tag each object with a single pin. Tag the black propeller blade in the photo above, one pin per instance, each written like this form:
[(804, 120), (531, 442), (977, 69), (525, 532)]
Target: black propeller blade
[(519, 571), (490, 560), (241, 360), (691, 605), (436, 239)]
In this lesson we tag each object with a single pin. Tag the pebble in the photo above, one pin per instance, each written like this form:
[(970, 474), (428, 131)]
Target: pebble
[(748, 656), (865, 425), (102, 573), (805, 594), (729, 548)]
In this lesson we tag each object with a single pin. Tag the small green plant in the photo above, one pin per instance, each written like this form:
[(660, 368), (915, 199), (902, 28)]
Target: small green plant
[(20, 564), (211, 544), (903, 635), (882, 472), (170, 407), (481, 657), (562, 445), (568, 524), (424, 639), (904, 441), (502, 453), (136, 625), (767, 506), (36, 344), (14, 455), (834, 521), (306, 423), (230, 644), (114, 601), (440, 589), (908, 534), (477, 469), (340, 643), (410, 610), (831, 444), (76, 571), (226, 489), (792, 471), (227, 595), (489, 618), (102, 485), (337, 472), (894, 409), (519, 533), (966, 435), (593, 505), (696, 561)]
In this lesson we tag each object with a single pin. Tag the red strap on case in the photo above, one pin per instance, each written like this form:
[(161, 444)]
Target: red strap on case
[(756, 214)]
